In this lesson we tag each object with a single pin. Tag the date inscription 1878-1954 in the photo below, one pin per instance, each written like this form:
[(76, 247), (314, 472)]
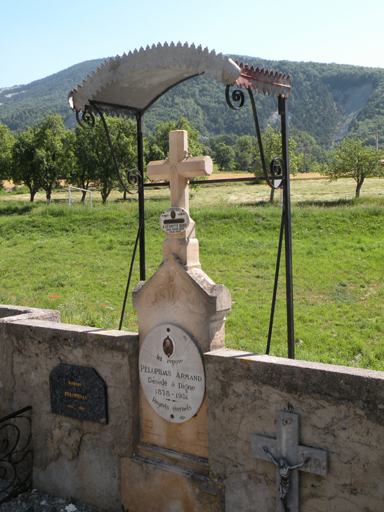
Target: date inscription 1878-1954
[(78, 392)]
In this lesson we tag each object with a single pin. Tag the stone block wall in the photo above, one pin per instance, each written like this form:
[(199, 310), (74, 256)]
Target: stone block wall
[(72, 458), (341, 410)]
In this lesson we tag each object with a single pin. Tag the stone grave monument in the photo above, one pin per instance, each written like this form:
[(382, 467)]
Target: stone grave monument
[(181, 314)]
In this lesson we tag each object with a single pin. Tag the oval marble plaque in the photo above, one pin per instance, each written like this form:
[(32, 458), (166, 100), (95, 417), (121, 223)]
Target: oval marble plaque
[(174, 220), (172, 373)]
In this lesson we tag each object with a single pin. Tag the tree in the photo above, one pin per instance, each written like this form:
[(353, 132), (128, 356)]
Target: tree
[(94, 162), (224, 156), (6, 142), (40, 156), (50, 155), (351, 159), (124, 141), (82, 174), (272, 148), (314, 155), (228, 139), (158, 142), (24, 169), (244, 150)]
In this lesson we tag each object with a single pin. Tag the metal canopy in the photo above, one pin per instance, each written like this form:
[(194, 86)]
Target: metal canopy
[(133, 82), (130, 84)]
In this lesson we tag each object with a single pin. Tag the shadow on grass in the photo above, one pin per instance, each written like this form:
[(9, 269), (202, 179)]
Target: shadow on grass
[(62, 201), (329, 203), (265, 204), (359, 201), (155, 199), (16, 209), (321, 203)]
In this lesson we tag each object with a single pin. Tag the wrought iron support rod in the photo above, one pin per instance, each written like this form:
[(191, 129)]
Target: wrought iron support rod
[(130, 274), (140, 159), (287, 229), (258, 132), (275, 284), (14, 414)]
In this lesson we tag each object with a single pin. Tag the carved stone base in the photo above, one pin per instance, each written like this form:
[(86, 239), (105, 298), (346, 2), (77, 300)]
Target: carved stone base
[(161, 480)]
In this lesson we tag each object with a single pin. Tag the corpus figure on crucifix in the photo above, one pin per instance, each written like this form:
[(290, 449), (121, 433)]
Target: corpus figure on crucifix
[(178, 169), (284, 471)]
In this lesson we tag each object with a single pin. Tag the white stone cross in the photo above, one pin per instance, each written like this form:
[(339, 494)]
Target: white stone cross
[(288, 456), (179, 167)]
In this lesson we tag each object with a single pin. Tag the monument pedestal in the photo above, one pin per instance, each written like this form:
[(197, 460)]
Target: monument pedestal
[(171, 464), (195, 306)]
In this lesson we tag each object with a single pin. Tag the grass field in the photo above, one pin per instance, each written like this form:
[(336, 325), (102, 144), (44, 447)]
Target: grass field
[(76, 260)]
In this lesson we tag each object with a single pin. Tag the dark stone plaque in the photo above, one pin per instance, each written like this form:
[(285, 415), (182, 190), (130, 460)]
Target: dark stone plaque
[(78, 392)]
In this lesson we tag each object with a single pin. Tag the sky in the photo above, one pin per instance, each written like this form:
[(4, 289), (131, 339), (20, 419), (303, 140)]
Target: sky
[(41, 37)]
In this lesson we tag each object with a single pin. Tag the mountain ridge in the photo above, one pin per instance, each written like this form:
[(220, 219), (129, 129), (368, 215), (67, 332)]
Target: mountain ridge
[(328, 101)]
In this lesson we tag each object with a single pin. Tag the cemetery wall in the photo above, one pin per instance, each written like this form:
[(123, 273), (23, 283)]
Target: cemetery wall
[(341, 411), (72, 458)]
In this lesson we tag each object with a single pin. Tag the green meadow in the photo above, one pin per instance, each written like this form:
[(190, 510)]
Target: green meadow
[(76, 260)]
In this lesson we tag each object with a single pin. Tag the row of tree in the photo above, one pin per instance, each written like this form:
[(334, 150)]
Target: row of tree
[(47, 152), (233, 153), (43, 155), (350, 158)]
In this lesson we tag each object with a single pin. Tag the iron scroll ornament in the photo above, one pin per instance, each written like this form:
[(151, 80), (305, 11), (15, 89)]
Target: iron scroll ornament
[(237, 95), (135, 179), (277, 163), (15, 454), (87, 122)]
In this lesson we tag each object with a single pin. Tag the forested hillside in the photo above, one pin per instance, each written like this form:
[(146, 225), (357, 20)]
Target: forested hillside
[(328, 101), (24, 105)]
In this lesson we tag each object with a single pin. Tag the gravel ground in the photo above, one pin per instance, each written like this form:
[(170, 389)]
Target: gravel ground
[(36, 501)]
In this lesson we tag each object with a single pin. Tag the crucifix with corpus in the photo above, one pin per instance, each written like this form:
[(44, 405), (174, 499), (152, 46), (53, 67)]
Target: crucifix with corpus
[(288, 455), (178, 169)]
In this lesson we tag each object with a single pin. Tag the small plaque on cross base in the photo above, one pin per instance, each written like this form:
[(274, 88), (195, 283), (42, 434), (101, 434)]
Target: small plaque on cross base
[(174, 220)]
